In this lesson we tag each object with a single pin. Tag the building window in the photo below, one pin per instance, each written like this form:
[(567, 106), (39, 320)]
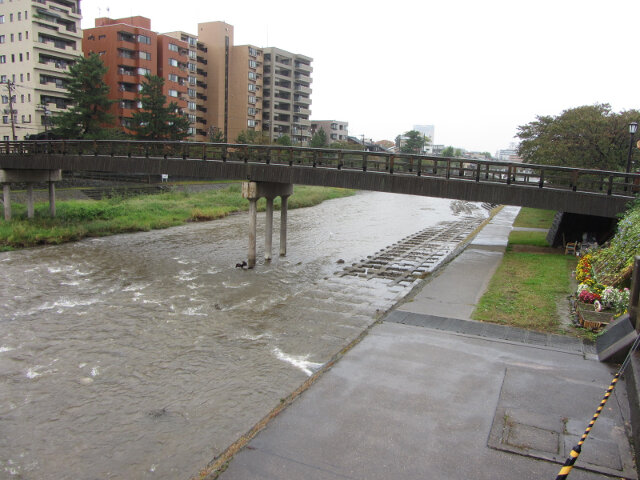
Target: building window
[(100, 37), (173, 93), (144, 71), (253, 64), (193, 55), (251, 122), (19, 16), (19, 36), (145, 55), (192, 92), (173, 48), (253, 52), (251, 111), (192, 67), (252, 99), (192, 80), (144, 39), (5, 119), (173, 77), (253, 76), (1, 18), (252, 87), (192, 118), (192, 105), (173, 62), (2, 38)]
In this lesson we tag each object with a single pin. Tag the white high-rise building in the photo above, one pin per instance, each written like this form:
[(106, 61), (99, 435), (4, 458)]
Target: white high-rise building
[(38, 42)]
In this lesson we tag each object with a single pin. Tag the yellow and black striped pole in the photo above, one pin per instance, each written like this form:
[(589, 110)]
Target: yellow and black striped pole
[(575, 453)]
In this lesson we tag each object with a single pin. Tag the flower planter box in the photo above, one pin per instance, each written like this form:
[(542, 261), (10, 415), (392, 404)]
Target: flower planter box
[(591, 319)]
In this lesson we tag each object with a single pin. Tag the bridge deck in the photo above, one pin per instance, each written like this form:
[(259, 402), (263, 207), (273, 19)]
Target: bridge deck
[(593, 192)]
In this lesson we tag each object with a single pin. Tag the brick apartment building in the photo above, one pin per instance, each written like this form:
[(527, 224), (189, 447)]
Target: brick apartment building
[(130, 50)]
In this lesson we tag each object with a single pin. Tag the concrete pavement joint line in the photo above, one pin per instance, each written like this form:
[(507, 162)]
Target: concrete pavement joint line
[(492, 332)]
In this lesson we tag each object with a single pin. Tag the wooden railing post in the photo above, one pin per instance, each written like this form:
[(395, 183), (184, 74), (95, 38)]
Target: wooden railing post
[(541, 181), (478, 166), (419, 166), (204, 151), (364, 161), (340, 160), (391, 159), (448, 174), (509, 175)]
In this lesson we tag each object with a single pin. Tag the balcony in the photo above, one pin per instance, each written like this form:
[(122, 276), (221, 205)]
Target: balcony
[(302, 100), (303, 89), (303, 67), (302, 111)]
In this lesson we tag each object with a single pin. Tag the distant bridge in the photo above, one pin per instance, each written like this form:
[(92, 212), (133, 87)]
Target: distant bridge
[(581, 191)]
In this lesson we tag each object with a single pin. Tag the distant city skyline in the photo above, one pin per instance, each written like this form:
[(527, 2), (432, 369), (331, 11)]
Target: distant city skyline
[(490, 66)]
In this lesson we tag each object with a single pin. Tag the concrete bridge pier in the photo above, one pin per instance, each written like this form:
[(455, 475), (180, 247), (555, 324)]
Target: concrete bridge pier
[(7, 177), (253, 191)]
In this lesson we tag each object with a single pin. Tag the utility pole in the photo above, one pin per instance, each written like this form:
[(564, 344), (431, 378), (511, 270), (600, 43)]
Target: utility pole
[(10, 88)]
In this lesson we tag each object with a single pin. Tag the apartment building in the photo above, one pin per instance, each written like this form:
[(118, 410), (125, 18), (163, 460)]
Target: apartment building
[(234, 82), (39, 40), (287, 95), (130, 50), (335, 130), (197, 73)]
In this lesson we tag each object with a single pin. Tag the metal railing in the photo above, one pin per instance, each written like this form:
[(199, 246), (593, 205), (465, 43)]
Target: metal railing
[(456, 169)]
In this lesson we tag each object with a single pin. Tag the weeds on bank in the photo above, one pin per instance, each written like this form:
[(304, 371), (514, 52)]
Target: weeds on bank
[(77, 219), (534, 218)]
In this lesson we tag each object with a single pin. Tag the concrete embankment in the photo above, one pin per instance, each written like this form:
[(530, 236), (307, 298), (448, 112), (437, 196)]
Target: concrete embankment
[(442, 397)]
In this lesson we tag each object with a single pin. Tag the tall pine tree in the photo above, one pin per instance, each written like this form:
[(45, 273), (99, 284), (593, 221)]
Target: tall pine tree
[(156, 120), (89, 116)]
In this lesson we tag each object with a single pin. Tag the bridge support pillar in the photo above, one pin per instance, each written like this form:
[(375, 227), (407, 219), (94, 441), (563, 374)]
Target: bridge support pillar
[(52, 199), (284, 206), (7, 177), (29, 200), (253, 191), (6, 198), (268, 230), (253, 221)]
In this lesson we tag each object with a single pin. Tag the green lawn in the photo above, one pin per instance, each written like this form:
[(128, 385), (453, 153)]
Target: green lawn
[(526, 288), (534, 218), (524, 291)]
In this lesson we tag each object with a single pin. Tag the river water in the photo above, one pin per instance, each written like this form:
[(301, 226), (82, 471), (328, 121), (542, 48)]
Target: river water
[(146, 355)]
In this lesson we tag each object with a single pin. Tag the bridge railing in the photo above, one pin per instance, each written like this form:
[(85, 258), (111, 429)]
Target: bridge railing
[(479, 171)]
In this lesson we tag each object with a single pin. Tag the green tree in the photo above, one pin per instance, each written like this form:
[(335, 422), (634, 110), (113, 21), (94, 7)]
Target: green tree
[(216, 135), (319, 139), (590, 136), (252, 137), (413, 142), (157, 120), (453, 152), (448, 151), (89, 116), (284, 140)]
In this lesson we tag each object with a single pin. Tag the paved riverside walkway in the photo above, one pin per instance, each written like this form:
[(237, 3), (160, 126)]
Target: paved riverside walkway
[(429, 394)]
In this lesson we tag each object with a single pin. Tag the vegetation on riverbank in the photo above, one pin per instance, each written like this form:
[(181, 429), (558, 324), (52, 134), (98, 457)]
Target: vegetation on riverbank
[(526, 288), (77, 219)]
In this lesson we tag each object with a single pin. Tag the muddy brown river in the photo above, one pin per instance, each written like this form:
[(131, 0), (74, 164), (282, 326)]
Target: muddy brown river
[(146, 355)]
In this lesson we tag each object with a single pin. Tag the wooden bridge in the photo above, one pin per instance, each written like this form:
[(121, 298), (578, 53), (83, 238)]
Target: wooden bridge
[(589, 192)]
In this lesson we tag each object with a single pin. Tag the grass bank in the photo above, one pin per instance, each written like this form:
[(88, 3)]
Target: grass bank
[(526, 288), (89, 218)]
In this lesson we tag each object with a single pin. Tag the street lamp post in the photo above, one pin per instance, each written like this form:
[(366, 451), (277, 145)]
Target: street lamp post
[(633, 128)]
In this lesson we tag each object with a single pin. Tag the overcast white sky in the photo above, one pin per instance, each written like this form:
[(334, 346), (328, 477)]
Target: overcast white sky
[(474, 69)]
